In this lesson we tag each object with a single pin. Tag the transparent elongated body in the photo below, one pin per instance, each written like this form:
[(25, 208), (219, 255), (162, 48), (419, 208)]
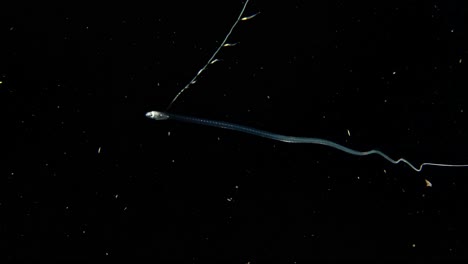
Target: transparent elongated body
[(156, 115)]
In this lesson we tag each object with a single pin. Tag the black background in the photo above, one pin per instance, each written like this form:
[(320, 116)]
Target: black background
[(87, 175)]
